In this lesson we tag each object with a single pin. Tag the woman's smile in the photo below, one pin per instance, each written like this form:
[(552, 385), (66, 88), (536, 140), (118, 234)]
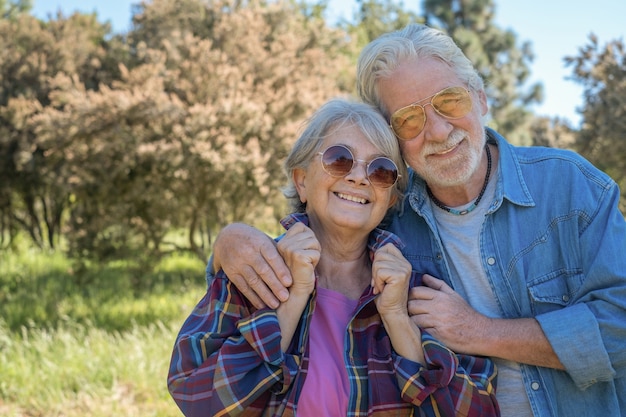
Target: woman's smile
[(352, 198)]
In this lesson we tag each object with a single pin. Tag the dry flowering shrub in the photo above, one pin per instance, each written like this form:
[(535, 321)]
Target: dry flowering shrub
[(33, 192), (189, 132)]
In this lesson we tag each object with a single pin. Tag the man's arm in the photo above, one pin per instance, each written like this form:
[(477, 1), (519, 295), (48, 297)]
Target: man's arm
[(251, 261), (442, 312)]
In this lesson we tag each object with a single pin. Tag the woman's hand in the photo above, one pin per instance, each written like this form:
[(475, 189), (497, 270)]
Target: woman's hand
[(391, 274), (390, 278), (301, 251)]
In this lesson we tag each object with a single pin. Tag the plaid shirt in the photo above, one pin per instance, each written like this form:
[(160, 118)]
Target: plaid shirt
[(227, 361)]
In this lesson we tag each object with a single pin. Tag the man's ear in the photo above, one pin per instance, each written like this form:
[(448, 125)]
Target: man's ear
[(482, 99), (298, 177)]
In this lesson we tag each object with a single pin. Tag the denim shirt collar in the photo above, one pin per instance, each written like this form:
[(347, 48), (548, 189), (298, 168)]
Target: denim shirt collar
[(511, 183)]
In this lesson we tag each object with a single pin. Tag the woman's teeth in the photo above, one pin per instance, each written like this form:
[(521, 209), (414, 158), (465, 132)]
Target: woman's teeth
[(352, 198)]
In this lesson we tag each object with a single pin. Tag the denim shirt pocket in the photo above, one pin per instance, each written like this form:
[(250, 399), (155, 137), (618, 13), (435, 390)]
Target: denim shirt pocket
[(555, 290)]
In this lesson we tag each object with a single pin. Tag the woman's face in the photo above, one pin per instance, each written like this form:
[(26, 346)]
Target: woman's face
[(348, 202)]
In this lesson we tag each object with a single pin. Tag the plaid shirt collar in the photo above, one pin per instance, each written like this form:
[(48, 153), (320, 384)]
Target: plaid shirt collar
[(377, 238)]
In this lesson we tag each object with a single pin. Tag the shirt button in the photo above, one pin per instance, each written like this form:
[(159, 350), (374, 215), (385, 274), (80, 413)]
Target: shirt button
[(565, 298), (534, 386), (491, 261)]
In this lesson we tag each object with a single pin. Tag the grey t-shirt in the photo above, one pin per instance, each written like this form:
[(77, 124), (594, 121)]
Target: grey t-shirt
[(460, 237)]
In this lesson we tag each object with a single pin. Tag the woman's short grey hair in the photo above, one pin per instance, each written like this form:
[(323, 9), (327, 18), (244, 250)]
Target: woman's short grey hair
[(384, 54), (333, 115)]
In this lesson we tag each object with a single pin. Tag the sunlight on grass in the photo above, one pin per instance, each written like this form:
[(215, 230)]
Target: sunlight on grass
[(44, 290), (95, 342), (79, 370)]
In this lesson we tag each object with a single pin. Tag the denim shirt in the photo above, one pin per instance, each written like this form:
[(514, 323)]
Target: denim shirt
[(553, 246)]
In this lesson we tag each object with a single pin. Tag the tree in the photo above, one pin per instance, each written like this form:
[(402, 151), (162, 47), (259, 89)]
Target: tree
[(13, 9), (552, 132), (34, 194), (376, 17), (602, 73), (192, 134)]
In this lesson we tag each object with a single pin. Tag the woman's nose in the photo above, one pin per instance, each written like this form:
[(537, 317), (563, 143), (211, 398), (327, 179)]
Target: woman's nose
[(358, 173)]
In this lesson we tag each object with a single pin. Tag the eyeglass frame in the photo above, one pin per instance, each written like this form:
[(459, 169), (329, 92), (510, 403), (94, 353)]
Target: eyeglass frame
[(423, 107), (355, 162)]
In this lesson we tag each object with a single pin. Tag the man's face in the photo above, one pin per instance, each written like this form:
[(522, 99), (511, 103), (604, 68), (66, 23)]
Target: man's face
[(447, 152)]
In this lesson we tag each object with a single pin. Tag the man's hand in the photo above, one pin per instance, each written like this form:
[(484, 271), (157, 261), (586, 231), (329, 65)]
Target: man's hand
[(251, 261), (442, 312), (438, 309)]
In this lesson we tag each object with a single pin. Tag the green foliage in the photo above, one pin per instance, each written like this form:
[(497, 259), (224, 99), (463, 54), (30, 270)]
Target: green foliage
[(376, 17), (94, 342), (79, 370), (13, 9), (39, 290), (602, 72)]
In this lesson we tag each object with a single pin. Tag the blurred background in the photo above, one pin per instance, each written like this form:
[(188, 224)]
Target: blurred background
[(132, 132)]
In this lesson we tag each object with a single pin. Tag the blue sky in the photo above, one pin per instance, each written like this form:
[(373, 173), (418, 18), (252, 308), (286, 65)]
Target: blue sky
[(555, 28)]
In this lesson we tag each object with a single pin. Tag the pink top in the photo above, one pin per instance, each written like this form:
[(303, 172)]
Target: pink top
[(326, 389)]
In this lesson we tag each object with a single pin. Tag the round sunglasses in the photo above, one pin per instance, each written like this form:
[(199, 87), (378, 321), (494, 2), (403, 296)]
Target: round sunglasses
[(338, 161), (451, 103)]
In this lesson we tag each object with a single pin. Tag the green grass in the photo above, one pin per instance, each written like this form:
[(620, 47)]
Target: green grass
[(94, 342), (46, 290)]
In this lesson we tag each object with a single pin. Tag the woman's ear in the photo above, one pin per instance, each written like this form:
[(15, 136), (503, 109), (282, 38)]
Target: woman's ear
[(298, 177), (393, 199)]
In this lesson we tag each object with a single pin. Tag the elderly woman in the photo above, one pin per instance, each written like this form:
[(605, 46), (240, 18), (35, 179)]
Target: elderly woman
[(343, 343)]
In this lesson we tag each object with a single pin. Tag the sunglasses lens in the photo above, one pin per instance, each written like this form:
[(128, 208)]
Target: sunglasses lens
[(453, 102), (382, 172), (337, 161), (408, 122)]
